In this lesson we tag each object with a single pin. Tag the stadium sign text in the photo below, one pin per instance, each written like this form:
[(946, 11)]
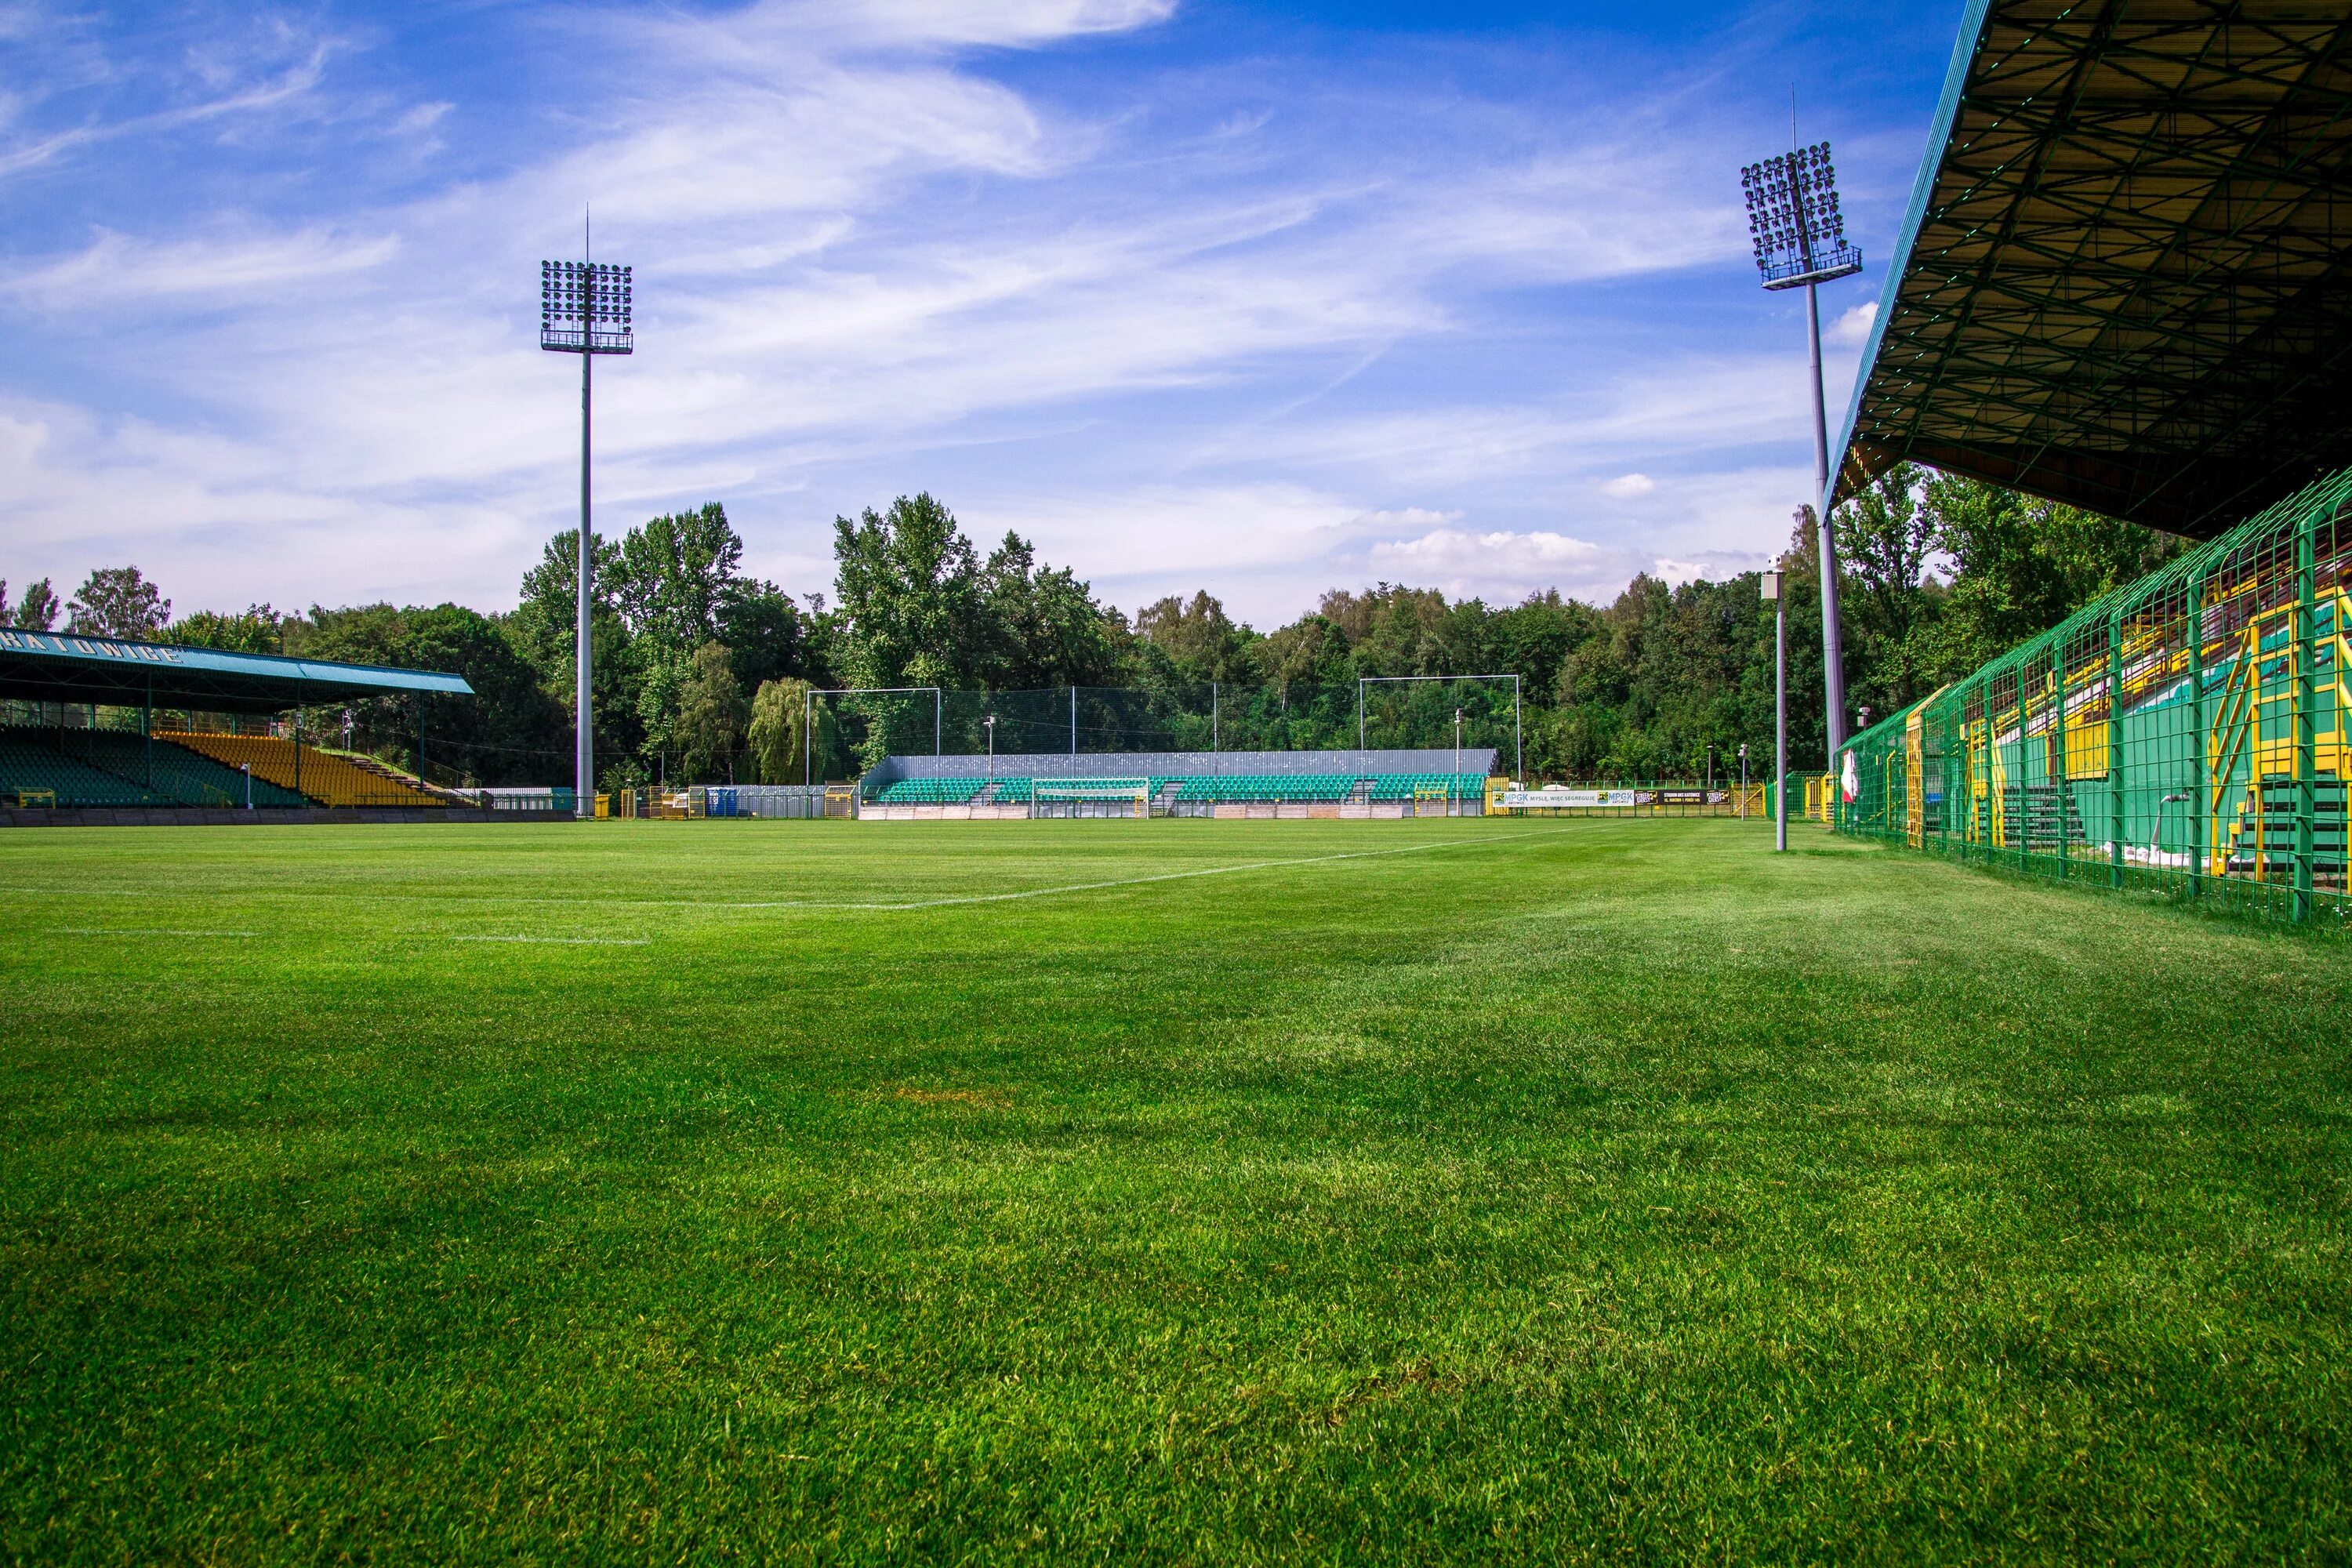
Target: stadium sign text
[(93, 647)]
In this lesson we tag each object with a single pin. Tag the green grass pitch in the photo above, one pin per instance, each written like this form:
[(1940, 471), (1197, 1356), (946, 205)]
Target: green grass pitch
[(1239, 1191)]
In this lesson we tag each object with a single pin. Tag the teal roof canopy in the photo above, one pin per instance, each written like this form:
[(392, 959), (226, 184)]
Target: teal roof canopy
[(67, 667), (2124, 281)]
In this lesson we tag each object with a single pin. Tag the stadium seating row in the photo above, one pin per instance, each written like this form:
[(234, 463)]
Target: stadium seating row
[(1231, 788), (329, 779), (1405, 786), (117, 767), (930, 792), (1269, 786)]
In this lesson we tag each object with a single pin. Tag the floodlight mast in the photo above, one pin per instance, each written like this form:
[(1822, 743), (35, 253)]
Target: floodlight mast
[(1800, 239), (586, 309)]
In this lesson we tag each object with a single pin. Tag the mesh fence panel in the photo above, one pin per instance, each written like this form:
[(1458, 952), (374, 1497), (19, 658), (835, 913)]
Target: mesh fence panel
[(2184, 734), (1177, 716)]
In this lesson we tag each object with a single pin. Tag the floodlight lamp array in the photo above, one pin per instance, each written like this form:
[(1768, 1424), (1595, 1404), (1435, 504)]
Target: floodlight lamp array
[(584, 307), (1793, 219)]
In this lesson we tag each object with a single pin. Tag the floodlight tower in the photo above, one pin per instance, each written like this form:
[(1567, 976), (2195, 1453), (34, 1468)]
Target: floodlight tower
[(584, 309), (1800, 239)]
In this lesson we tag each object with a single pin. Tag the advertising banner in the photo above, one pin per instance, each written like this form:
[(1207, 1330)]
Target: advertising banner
[(1565, 799)]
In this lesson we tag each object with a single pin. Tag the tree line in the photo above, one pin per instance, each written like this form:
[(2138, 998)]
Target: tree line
[(703, 673)]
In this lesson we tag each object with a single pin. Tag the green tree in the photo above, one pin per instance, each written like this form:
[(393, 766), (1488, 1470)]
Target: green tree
[(35, 611), (907, 584), (778, 733), (2022, 565), (544, 628), (1199, 640), (1311, 651), (117, 602), (674, 577), (253, 629), (673, 584), (767, 635), (1042, 626), (1887, 538), (712, 714), (512, 730)]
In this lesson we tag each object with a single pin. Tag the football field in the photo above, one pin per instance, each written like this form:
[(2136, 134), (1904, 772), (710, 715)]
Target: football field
[(1171, 1191)]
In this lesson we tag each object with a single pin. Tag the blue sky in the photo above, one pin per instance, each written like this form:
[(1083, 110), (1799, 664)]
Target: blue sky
[(1260, 298)]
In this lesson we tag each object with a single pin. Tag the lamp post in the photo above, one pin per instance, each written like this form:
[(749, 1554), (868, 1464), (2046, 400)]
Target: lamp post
[(584, 309), (1456, 782), (1770, 590), (1800, 239), (1743, 780), (989, 724)]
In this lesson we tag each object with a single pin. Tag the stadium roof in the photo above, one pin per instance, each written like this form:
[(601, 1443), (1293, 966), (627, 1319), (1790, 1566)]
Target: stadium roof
[(2123, 281), (58, 667)]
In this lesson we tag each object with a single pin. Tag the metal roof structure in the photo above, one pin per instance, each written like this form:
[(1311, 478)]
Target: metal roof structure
[(64, 667), (2124, 281)]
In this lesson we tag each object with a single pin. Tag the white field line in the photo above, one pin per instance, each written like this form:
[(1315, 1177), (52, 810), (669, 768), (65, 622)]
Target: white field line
[(145, 931), (567, 941)]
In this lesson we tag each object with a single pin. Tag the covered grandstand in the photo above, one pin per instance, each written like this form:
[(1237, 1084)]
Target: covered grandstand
[(1365, 784), (106, 729), (2122, 284)]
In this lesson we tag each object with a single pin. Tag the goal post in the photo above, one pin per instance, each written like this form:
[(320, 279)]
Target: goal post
[(1408, 683), (1078, 792)]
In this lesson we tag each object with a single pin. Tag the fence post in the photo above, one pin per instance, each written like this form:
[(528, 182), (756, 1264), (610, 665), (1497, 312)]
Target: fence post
[(2022, 829), (2306, 697), (1956, 768), (2114, 748), (2061, 776), (2199, 787)]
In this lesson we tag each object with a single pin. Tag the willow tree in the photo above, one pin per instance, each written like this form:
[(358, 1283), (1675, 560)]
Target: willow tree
[(779, 736)]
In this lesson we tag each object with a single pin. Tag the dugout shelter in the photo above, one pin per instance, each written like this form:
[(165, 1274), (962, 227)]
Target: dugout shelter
[(2123, 282)]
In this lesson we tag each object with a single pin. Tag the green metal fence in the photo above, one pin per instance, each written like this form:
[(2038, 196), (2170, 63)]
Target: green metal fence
[(2186, 732)]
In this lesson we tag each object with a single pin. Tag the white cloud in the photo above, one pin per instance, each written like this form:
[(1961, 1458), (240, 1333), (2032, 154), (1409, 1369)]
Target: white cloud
[(286, 86), (941, 23), (1406, 517), (115, 267), (862, 261), (1853, 327), (1502, 566), (1505, 566)]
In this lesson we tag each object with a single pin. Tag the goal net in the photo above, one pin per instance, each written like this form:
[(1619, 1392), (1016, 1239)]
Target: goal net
[(1091, 797)]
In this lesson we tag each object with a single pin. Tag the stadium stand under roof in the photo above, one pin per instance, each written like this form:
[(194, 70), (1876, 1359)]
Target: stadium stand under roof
[(64, 667), (2122, 280)]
